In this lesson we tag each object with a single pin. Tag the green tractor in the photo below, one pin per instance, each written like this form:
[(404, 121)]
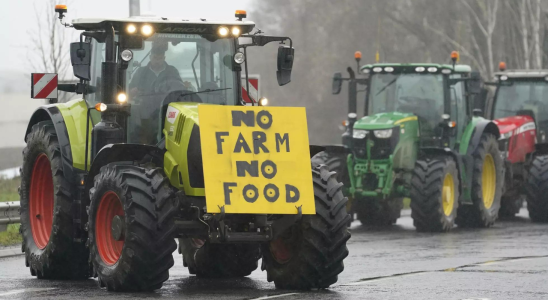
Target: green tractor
[(161, 147), (419, 139)]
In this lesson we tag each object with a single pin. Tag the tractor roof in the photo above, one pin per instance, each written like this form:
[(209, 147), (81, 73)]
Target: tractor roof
[(457, 68), (523, 74), (162, 24)]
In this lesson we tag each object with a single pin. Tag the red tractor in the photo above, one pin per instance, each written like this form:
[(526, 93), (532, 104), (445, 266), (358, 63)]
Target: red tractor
[(520, 109)]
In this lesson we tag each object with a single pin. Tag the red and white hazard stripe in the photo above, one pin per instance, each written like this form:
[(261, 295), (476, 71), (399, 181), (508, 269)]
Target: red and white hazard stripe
[(253, 89), (44, 86)]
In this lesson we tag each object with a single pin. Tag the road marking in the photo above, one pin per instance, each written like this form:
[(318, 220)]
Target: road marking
[(275, 296), (15, 292), (381, 278)]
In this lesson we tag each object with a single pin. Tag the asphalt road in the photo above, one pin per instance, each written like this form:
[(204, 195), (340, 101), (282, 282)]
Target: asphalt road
[(508, 261)]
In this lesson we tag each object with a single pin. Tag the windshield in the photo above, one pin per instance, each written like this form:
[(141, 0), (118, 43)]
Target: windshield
[(420, 94), (523, 97), (172, 68)]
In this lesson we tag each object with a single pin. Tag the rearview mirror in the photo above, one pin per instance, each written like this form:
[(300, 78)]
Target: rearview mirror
[(285, 64), (474, 84), (80, 57), (337, 83)]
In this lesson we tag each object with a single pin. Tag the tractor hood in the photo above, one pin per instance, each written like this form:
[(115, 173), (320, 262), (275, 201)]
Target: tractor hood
[(382, 120), (514, 125)]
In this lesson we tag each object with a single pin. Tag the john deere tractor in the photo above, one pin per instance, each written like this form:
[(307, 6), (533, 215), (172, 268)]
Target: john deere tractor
[(161, 146), (419, 138), (520, 109)]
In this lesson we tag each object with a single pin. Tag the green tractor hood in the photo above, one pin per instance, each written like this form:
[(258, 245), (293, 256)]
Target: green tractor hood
[(383, 120)]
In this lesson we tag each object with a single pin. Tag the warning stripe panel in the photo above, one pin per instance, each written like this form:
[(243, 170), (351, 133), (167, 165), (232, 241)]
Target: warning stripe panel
[(253, 90), (45, 87)]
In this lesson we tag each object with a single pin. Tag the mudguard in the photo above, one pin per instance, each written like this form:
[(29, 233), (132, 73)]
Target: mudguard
[(52, 113), (474, 131)]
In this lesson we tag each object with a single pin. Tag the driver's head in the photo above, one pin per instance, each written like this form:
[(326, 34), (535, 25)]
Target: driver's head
[(157, 57)]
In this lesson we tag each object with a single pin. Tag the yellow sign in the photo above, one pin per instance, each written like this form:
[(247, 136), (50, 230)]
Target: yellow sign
[(256, 159)]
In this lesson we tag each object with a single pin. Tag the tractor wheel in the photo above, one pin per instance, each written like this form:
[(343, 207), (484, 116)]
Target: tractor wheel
[(487, 182), (310, 253), (219, 260), (510, 205), (47, 225), (375, 212), (537, 190), (131, 227), (335, 162), (434, 194)]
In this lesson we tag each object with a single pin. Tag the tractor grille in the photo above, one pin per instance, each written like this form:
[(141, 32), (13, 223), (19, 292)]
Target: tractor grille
[(382, 148)]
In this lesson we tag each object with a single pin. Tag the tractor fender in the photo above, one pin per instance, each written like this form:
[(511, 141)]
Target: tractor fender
[(53, 114), (481, 126), (315, 149), (123, 152)]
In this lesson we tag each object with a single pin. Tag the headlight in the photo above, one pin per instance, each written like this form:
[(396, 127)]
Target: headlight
[(146, 30), (222, 31), (359, 134), (126, 55), (383, 134), (239, 58), (236, 31)]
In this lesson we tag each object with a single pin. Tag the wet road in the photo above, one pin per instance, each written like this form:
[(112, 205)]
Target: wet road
[(508, 261)]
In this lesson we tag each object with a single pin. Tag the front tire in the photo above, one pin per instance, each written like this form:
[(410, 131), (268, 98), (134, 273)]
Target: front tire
[(434, 194), (310, 254), (487, 181), (140, 203), (47, 224), (537, 190)]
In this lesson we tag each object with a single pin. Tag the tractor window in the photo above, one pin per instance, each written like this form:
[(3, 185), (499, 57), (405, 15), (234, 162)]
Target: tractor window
[(420, 94), (523, 97), (458, 106), (176, 68)]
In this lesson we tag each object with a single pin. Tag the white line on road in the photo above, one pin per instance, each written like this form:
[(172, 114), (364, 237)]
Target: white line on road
[(275, 296), (15, 292)]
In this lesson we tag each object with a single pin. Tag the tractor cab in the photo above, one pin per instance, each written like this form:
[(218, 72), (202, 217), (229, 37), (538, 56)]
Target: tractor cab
[(520, 100)]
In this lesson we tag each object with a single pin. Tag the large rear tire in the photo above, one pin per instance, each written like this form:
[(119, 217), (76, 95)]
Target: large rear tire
[(335, 162), (537, 190), (487, 182), (219, 260), (434, 194), (47, 225), (376, 212), (310, 253), (131, 227)]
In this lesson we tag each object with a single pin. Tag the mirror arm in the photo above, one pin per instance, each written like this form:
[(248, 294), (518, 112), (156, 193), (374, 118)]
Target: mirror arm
[(261, 40), (247, 79)]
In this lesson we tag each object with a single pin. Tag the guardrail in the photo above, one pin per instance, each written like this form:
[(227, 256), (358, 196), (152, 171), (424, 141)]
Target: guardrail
[(9, 214)]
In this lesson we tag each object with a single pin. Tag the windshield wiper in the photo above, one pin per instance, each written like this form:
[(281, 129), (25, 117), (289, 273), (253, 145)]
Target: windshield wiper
[(386, 86)]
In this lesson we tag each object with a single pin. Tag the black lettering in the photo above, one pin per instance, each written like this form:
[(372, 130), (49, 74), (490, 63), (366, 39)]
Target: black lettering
[(269, 169), (291, 199), (239, 116), (259, 138), (251, 168), (227, 188), (281, 140), (264, 119), (251, 193), (241, 143), (271, 192), (220, 140)]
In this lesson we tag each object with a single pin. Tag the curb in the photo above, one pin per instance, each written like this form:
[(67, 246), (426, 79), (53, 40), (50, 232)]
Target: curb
[(10, 251)]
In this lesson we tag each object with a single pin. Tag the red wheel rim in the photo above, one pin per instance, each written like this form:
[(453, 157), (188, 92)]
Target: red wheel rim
[(109, 248), (280, 251), (41, 201)]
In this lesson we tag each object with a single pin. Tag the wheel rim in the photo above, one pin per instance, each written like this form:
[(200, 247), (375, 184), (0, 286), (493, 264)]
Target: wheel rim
[(448, 194), (41, 201), (489, 181), (280, 251), (109, 248)]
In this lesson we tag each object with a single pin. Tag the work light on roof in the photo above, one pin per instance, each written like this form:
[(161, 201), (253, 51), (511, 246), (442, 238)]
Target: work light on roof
[(366, 71), (377, 69), (446, 71), (236, 31), (389, 69), (419, 69), (503, 77), (432, 69), (222, 31), (131, 28), (147, 30)]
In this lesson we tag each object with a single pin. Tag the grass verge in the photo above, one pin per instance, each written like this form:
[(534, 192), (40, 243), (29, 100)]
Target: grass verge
[(8, 192)]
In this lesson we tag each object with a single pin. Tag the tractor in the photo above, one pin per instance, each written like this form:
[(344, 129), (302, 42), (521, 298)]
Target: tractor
[(520, 110), (162, 146), (419, 139)]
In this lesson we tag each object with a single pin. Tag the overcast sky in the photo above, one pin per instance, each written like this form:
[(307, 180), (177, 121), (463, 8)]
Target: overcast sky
[(17, 19)]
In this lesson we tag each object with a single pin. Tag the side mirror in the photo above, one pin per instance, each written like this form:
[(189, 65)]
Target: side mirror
[(474, 84), (337, 83), (80, 57), (285, 64)]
